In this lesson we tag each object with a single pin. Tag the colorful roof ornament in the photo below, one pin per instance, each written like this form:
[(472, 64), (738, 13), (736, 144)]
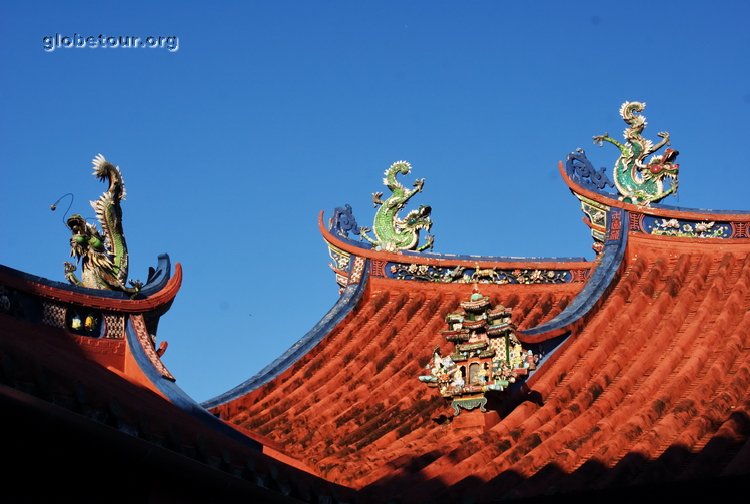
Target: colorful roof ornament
[(487, 356), (393, 233), (637, 180), (103, 255), (342, 222)]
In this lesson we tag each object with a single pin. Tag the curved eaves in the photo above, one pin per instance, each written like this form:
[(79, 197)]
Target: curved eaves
[(176, 395), (597, 286), (347, 301)]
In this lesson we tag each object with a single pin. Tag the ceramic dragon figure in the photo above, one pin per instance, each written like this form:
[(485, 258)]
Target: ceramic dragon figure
[(393, 233), (103, 257), (640, 181)]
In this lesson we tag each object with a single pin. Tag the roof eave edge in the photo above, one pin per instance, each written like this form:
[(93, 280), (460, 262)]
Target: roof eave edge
[(162, 380), (346, 302), (598, 285)]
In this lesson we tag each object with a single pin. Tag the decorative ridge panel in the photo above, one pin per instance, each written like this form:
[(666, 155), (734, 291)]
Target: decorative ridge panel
[(478, 274), (146, 344)]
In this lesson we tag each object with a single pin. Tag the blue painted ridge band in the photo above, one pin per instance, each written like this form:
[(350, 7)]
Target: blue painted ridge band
[(344, 305), (596, 287), (178, 397)]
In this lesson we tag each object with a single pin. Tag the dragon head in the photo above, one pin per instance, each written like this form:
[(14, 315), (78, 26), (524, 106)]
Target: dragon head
[(84, 237), (417, 219), (662, 166)]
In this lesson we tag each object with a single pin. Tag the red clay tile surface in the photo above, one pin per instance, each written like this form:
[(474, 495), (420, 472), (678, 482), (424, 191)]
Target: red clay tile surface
[(654, 389)]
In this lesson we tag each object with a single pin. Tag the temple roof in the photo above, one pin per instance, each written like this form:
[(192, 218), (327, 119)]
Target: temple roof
[(93, 399), (643, 385), (636, 383), (654, 387)]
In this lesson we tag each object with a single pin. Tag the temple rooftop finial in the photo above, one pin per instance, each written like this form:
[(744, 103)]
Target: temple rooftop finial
[(103, 255), (637, 180), (393, 233)]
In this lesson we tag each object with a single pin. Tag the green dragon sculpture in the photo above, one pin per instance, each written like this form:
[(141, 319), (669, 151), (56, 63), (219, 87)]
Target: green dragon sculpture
[(393, 233), (104, 259), (639, 181)]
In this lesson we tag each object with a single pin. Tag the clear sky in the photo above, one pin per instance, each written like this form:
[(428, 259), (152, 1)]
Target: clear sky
[(258, 115)]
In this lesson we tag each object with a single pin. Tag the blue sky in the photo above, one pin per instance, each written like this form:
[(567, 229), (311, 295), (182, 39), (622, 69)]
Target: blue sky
[(269, 112)]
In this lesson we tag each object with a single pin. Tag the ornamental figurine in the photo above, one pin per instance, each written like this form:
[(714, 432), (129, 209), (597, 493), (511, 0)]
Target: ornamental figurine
[(637, 180), (487, 357), (393, 233), (342, 222), (103, 255)]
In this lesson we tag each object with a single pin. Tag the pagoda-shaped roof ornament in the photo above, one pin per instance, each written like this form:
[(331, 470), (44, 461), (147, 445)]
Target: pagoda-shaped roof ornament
[(393, 233), (487, 357), (103, 255), (637, 180)]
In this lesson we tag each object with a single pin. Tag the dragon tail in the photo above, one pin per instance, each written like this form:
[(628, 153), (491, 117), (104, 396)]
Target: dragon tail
[(629, 111), (109, 214), (106, 171)]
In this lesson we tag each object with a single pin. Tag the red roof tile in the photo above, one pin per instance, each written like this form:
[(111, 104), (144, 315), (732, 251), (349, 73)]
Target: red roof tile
[(655, 387)]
